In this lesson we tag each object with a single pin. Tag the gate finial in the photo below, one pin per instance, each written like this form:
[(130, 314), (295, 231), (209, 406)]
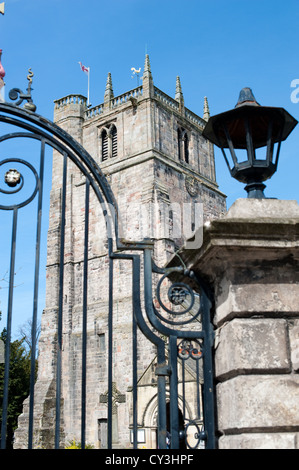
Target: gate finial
[(16, 93)]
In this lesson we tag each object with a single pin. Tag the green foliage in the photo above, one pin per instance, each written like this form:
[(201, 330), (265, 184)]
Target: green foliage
[(19, 383), (77, 445)]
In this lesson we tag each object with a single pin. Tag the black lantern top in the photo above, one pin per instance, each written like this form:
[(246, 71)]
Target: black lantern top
[(250, 126)]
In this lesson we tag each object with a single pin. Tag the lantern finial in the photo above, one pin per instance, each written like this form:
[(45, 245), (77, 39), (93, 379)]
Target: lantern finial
[(246, 97)]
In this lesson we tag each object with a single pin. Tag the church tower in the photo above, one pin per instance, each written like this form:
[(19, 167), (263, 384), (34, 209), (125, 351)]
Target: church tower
[(162, 172), (151, 149)]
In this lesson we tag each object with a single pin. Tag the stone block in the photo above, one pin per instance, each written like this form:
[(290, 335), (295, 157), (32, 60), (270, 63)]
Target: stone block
[(260, 441), (264, 209), (258, 402), (250, 345), (255, 297), (294, 343)]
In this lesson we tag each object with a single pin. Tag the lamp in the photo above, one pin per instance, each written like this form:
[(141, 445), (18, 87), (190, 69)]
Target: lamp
[(250, 126)]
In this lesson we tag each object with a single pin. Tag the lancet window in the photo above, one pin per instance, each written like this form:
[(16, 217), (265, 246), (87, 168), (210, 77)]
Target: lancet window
[(183, 145)]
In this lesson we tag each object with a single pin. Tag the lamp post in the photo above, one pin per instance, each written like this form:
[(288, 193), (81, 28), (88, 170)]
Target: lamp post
[(250, 126)]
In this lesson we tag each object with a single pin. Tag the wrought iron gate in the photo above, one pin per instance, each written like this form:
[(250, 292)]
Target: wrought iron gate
[(179, 327)]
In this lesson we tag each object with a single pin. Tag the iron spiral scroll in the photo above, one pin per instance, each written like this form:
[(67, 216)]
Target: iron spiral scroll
[(15, 180), (181, 308), (180, 302)]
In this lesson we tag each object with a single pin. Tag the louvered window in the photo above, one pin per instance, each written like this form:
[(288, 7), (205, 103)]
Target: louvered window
[(109, 142), (104, 145), (114, 141)]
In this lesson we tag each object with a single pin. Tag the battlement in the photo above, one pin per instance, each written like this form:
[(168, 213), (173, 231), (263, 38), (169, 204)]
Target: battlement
[(115, 102), (69, 100)]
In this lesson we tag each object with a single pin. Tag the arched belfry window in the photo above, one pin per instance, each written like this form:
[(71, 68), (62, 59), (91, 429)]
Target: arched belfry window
[(108, 142), (183, 145)]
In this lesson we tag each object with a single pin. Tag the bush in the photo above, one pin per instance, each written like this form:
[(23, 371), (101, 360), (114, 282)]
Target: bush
[(77, 445)]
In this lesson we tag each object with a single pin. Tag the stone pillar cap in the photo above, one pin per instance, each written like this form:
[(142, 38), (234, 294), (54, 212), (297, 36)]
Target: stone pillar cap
[(263, 209)]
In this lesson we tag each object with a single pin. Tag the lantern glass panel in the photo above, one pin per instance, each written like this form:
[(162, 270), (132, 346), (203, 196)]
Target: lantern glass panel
[(242, 155)]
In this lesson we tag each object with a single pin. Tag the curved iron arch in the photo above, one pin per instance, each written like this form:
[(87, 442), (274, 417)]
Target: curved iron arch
[(64, 143)]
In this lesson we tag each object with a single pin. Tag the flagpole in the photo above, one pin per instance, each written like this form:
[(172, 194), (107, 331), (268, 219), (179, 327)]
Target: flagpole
[(86, 70), (88, 87)]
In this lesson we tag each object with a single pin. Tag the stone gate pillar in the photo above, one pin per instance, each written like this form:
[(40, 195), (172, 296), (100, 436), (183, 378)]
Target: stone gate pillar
[(251, 257)]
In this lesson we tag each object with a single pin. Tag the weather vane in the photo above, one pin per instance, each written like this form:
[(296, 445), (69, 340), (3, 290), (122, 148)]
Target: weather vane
[(136, 72)]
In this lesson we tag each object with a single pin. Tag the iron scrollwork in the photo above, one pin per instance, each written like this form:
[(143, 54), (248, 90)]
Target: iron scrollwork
[(187, 349), (192, 434), (16, 93), (181, 312), (14, 179), (198, 434), (179, 300)]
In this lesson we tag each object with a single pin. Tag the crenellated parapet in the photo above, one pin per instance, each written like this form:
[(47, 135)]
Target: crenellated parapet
[(129, 97), (71, 109), (114, 102), (69, 100)]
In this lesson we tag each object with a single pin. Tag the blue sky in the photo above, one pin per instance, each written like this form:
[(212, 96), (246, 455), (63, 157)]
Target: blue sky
[(216, 47)]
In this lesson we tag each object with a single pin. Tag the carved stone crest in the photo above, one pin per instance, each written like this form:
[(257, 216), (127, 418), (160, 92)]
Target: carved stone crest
[(191, 184)]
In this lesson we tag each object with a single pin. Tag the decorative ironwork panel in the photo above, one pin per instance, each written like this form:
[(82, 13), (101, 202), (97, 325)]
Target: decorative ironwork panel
[(174, 316)]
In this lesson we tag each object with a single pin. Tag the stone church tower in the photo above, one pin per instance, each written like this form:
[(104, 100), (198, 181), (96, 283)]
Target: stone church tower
[(162, 173)]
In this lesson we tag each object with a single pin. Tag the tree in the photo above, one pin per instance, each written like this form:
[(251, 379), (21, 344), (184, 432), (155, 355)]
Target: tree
[(24, 332), (19, 384)]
